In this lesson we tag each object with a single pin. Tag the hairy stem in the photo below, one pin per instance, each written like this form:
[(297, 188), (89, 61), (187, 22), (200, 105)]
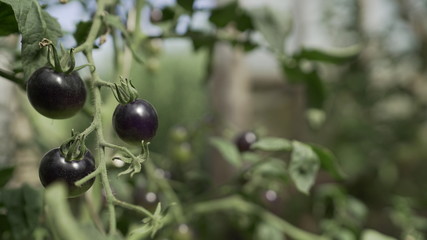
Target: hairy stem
[(118, 148), (11, 76), (88, 177), (132, 207)]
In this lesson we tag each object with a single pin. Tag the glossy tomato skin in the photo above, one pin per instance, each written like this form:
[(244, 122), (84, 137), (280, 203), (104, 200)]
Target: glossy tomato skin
[(54, 167), (56, 95), (135, 121), (245, 140)]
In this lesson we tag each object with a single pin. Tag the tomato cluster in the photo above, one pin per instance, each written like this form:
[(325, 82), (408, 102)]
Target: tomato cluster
[(61, 95)]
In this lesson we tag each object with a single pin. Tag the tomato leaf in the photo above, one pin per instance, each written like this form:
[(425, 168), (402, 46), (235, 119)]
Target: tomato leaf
[(223, 15), (303, 166), (336, 56), (168, 13), (273, 27), (82, 31), (34, 24), (228, 150), (293, 71), (6, 174), (115, 22), (186, 4), (231, 12), (201, 40), (328, 161), (370, 234), (24, 209), (244, 21), (7, 18), (266, 231), (271, 144), (316, 92), (315, 89)]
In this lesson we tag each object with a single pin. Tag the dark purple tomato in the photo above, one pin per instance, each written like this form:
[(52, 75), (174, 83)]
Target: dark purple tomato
[(135, 121), (245, 140), (56, 95), (54, 167)]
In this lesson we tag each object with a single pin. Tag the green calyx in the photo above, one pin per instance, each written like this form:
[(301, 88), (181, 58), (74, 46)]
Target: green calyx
[(74, 148), (124, 91), (65, 63)]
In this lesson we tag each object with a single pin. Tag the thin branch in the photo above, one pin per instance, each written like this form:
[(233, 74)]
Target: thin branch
[(87, 177), (102, 83), (119, 148), (11, 76), (129, 206)]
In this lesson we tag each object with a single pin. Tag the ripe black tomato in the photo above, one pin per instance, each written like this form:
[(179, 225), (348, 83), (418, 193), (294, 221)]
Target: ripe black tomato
[(54, 94), (245, 140), (135, 121), (54, 167)]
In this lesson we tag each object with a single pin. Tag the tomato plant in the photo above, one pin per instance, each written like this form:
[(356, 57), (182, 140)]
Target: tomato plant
[(190, 170)]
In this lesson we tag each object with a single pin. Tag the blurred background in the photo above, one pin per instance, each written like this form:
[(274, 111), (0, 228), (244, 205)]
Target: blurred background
[(373, 116)]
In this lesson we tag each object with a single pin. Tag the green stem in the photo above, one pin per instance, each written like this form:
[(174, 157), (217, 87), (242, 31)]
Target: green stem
[(90, 129), (138, 9), (96, 25), (119, 148), (87, 48), (101, 83), (100, 152), (236, 203), (59, 214), (118, 55), (132, 207), (11, 76), (88, 177)]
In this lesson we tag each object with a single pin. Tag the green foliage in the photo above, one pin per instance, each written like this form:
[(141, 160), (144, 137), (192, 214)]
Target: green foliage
[(328, 161), (338, 56), (6, 174), (370, 234), (82, 31), (303, 166), (259, 200), (7, 17), (267, 232), (274, 28), (231, 13), (186, 4), (22, 209), (272, 144), (114, 21), (228, 151), (34, 24)]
